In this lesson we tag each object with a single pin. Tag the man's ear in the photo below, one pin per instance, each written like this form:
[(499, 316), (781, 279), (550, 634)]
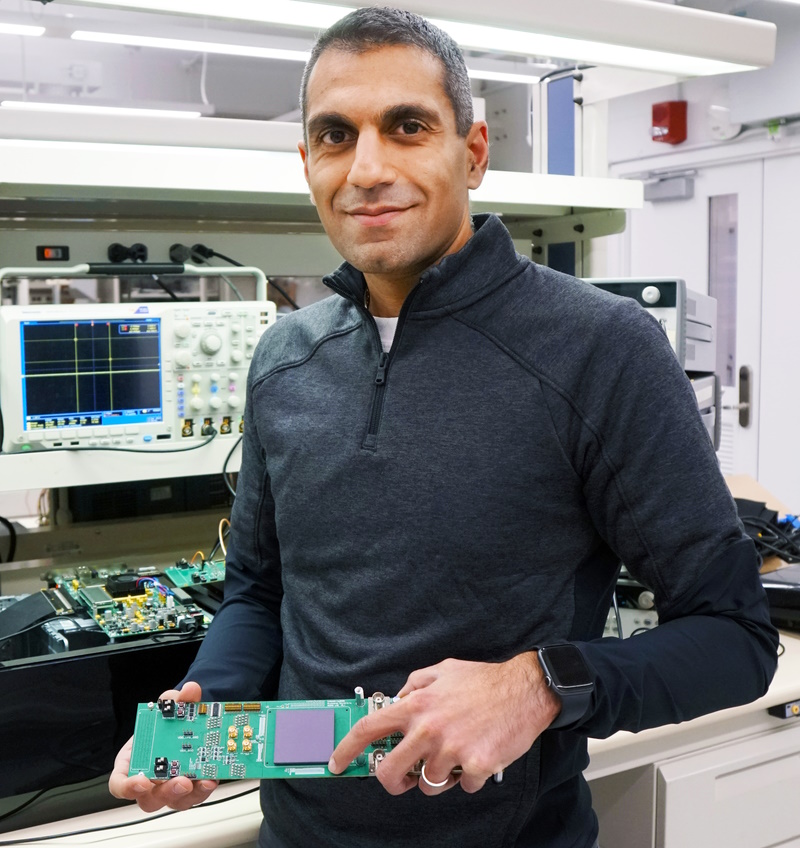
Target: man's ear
[(477, 153), (301, 146)]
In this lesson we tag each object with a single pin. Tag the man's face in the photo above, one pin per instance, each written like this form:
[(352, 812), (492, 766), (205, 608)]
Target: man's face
[(387, 170)]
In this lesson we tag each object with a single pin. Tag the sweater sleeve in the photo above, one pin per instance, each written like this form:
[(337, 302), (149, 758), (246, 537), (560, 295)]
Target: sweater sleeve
[(242, 650), (655, 493)]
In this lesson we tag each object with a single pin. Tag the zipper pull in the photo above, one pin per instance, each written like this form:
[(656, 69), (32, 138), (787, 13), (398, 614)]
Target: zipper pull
[(383, 364)]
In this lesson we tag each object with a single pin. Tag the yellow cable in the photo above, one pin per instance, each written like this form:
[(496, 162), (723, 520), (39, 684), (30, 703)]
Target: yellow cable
[(219, 533), (196, 554)]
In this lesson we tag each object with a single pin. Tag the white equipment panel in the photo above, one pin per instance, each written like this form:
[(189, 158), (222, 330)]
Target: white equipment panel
[(149, 377)]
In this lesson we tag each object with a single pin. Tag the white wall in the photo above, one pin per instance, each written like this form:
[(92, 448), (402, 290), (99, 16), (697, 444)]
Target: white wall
[(752, 98)]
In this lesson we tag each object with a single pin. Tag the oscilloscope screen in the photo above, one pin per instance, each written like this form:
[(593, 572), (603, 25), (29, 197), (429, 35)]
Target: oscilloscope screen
[(83, 373)]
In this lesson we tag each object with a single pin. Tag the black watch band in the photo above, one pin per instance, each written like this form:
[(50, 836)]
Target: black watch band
[(567, 674)]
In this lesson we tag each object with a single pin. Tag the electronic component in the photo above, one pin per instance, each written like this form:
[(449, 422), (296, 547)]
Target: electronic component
[(789, 710), (303, 737), (126, 604), (127, 375), (279, 739), (185, 573), (688, 318)]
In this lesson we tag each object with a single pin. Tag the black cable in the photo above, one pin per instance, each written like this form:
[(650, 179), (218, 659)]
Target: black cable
[(164, 286), (225, 534), (229, 282), (149, 451), (12, 539), (150, 818), (772, 539), (615, 604), (228, 485), (23, 805), (274, 285), (566, 70)]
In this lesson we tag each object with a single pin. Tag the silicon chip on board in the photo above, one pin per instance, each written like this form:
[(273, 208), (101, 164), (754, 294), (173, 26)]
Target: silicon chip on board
[(303, 736)]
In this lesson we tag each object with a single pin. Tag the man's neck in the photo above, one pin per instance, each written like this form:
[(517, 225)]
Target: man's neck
[(385, 297)]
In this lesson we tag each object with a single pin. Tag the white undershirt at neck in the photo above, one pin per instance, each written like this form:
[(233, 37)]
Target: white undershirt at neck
[(387, 328)]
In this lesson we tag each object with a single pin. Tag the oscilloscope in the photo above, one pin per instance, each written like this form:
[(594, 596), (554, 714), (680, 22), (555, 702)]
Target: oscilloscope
[(125, 375)]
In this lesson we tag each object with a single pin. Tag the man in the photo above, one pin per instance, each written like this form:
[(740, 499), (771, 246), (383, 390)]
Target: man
[(443, 466)]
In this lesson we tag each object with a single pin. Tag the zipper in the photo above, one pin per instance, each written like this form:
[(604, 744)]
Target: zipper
[(370, 442)]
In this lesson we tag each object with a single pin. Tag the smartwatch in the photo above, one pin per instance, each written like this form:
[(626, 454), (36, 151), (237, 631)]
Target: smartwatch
[(567, 674)]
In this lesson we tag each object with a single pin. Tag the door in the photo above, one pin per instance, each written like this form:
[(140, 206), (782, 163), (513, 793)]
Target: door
[(779, 462), (713, 241)]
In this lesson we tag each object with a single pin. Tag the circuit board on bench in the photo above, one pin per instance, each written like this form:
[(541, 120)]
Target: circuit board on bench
[(185, 573), (225, 740)]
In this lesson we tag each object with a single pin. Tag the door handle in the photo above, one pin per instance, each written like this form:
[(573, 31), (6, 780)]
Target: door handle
[(745, 395)]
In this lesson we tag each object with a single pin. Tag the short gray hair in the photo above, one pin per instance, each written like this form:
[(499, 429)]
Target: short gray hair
[(373, 27)]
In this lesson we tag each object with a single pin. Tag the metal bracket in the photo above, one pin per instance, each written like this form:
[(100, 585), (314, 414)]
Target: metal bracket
[(579, 227)]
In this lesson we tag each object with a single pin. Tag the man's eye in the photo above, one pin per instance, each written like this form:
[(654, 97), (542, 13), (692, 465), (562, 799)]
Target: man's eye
[(411, 127), (334, 137)]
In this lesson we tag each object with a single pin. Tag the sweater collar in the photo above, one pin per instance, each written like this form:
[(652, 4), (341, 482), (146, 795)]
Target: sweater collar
[(485, 260)]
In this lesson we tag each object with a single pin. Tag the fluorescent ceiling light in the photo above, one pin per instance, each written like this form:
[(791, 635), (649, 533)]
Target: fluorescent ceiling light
[(33, 106), (502, 76), (479, 37), (19, 29), (623, 33), (283, 12), (194, 46)]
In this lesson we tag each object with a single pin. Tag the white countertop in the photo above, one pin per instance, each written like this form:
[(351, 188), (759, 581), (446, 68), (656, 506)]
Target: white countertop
[(626, 750), (236, 821)]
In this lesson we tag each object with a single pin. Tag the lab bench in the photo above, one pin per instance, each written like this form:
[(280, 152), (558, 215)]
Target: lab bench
[(726, 779)]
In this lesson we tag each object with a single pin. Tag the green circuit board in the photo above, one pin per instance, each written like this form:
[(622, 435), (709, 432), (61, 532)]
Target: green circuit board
[(227, 740), (184, 574), (127, 604)]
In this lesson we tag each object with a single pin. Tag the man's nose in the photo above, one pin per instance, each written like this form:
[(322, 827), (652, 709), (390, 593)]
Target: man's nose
[(371, 165)]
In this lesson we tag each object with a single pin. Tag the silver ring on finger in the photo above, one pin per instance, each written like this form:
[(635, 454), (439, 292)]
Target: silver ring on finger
[(431, 783)]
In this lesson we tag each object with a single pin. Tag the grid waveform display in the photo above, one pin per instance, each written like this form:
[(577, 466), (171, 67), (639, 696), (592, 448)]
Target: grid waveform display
[(79, 373)]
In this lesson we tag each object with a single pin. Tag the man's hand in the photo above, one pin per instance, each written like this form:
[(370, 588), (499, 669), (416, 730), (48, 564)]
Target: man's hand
[(180, 793), (480, 716)]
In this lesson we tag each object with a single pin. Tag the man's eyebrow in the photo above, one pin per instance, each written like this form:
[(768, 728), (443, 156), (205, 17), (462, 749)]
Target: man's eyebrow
[(327, 121), (408, 112)]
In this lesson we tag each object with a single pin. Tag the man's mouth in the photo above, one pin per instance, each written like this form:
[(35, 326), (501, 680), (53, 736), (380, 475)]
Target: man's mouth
[(376, 216)]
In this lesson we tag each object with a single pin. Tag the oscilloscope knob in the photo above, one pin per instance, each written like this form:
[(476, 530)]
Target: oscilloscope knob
[(234, 401), (197, 403), (183, 358), (651, 295), (182, 329), (236, 356), (210, 343), (215, 402)]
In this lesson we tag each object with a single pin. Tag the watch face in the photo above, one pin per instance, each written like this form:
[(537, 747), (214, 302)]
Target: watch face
[(567, 666)]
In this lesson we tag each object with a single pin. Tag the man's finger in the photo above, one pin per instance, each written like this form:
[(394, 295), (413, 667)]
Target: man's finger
[(190, 692), (364, 732), (472, 783), (180, 793), (419, 679), (437, 777)]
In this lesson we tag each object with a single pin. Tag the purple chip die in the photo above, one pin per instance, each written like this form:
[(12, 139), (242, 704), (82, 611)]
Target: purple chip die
[(303, 736)]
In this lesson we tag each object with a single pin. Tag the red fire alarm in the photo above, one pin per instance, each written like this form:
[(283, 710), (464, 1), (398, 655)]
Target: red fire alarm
[(669, 121)]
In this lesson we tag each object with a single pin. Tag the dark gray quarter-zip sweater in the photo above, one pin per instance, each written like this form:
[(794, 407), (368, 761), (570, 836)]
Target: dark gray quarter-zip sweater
[(471, 495)]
